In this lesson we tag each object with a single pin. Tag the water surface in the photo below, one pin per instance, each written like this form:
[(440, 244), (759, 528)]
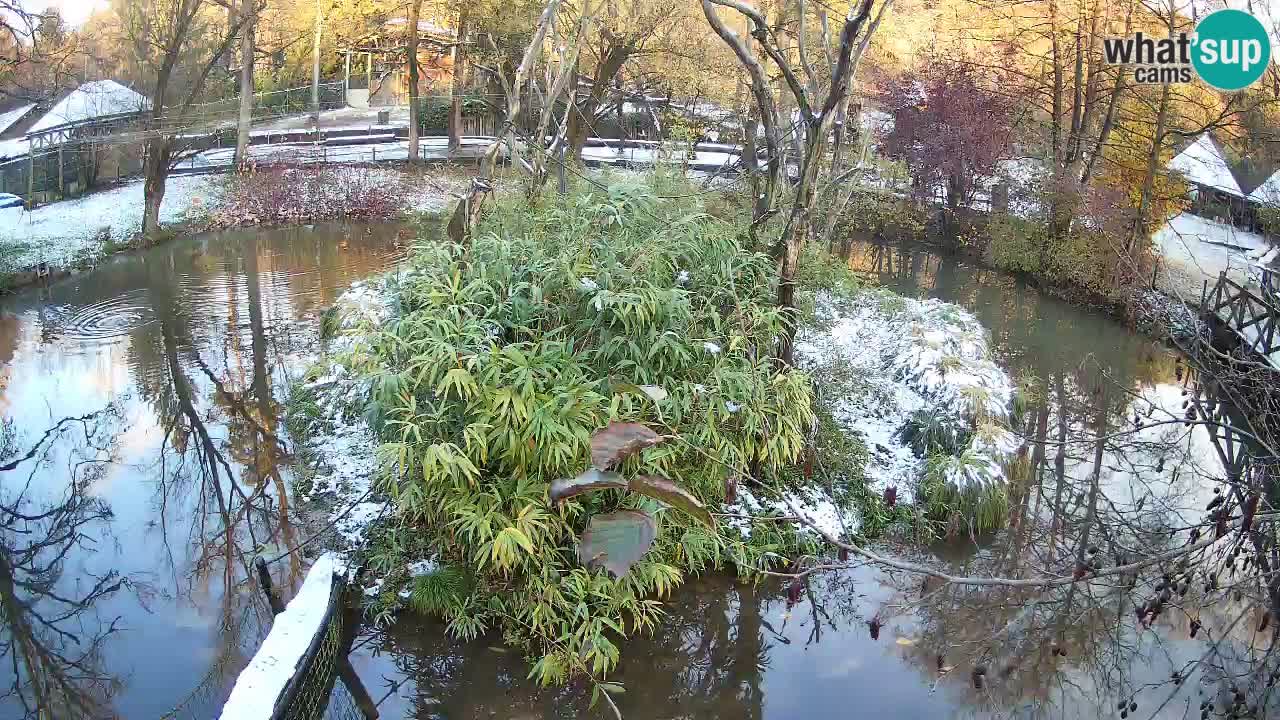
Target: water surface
[(130, 529)]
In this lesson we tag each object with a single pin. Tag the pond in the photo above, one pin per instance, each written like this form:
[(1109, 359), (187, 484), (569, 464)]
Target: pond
[(125, 595), (170, 472)]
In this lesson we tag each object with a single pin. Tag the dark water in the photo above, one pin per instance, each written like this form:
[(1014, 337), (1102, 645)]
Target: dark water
[(123, 581), (127, 535)]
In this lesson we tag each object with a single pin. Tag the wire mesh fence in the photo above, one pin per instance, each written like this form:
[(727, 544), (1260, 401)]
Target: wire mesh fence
[(306, 696), (271, 104), (69, 170)]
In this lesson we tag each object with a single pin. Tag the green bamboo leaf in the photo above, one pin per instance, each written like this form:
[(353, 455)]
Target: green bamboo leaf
[(655, 392), (611, 445), (673, 495), (617, 541), (590, 480)]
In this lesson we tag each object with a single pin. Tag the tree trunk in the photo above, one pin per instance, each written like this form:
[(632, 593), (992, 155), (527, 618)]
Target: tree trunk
[(315, 65), (582, 117), (459, 83), (797, 231), (246, 86), (415, 7), (1139, 229), (155, 174)]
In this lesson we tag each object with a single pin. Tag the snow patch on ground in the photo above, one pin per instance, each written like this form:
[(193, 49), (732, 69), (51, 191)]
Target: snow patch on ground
[(1195, 250), (63, 233), (346, 461), (256, 689)]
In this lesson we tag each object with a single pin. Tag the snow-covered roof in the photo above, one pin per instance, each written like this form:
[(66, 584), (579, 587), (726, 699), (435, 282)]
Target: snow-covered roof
[(1268, 193), (96, 99), (7, 119), (1202, 163), (10, 149)]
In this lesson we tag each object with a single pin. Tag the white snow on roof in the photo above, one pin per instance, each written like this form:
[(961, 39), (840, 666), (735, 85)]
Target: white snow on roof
[(92, 100), (1268, 193), (1202, 163), (13, 116), (256, 689), (13, 148)]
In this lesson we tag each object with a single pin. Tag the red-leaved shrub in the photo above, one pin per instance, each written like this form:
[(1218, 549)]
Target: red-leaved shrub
[(288, 194)]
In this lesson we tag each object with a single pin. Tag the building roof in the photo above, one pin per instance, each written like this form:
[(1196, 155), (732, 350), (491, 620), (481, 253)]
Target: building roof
[(1202, 163), (11, 117), (100, 98), (1268, 193)]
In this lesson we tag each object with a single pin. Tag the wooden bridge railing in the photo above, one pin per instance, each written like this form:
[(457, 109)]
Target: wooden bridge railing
[(1252, 317)]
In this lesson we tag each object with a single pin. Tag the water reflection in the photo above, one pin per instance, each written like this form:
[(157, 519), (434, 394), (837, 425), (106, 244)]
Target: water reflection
[(180, 356)]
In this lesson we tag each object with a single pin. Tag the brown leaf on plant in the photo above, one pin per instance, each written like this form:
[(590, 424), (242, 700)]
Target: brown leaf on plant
[(619, 440)]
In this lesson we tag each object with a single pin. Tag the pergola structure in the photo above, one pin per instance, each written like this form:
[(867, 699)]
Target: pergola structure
[(386, 47)]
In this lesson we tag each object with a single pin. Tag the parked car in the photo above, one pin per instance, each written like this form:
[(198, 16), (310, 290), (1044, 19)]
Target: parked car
[(9, 201)]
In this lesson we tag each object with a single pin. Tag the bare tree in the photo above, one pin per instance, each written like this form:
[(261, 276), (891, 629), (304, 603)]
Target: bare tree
[(178, 43), (315, 64), (415, 8), (817, 116), (459, 79)]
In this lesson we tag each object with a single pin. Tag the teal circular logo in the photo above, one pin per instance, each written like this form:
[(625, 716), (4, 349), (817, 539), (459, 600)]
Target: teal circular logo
[(1232, 49)]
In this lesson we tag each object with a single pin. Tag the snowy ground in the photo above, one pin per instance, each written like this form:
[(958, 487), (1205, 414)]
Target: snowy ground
[(75, 232), (344, 447), (65, 233), (1196, 249)]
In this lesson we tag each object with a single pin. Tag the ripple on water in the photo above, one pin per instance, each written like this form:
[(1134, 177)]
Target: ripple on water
[(106, 320)]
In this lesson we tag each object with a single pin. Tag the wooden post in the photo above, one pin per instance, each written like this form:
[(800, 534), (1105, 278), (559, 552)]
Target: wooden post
[(346, 77), (264, 579), (368, 75), (62, 187), (31, 177)]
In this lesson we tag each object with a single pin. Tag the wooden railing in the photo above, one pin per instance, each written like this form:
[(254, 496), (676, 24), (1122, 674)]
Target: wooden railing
[(1250, 316)]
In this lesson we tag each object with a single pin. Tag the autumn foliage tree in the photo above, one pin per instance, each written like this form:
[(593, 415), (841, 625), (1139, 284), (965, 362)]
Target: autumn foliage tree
[(950, 128)]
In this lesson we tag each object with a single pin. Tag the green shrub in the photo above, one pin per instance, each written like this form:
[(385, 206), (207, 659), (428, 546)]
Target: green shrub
[(1013, 244), (505, 358), (879, 214)]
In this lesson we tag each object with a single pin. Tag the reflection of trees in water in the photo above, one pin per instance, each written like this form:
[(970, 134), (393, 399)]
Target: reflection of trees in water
[(707, 658), (218, 470), (223, 313), (51, 637)]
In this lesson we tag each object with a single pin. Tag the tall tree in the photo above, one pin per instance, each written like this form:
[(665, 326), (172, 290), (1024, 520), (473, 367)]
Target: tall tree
[(816, 111), (459, 78), (415, 9), (249, 10), (176, 45), (315, 63)]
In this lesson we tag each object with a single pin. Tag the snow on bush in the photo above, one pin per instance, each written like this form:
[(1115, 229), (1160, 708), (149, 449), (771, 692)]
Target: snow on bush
[(906, 359)]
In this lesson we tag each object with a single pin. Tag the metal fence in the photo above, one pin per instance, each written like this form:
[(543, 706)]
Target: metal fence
[(306, 697), (275, 103), (69, 170)]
